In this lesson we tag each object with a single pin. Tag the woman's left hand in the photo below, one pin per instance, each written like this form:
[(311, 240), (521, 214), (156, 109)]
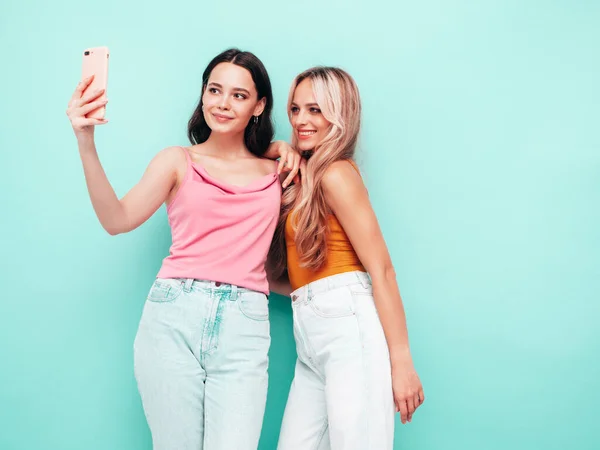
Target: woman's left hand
[(408, 391)]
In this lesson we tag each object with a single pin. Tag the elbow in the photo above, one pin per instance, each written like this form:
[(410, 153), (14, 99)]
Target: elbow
[(114, 230), (118, 226), (390, 272), (385, 273)]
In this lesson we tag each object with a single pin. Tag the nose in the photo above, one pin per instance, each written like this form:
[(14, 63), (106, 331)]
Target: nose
[(224, 102), (301, 118)]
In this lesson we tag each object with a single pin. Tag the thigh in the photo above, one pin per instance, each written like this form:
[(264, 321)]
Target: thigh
[(358, 373), (170, 378), (305, 423), (377, 368), (237, 377)]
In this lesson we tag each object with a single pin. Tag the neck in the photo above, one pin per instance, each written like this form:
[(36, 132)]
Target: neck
[(228, 146)]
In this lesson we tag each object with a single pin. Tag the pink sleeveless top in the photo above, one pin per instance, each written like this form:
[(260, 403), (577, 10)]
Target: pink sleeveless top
[(222, 232)]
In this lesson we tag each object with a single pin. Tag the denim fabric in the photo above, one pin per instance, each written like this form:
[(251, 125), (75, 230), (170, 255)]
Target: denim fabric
[(200, 360)]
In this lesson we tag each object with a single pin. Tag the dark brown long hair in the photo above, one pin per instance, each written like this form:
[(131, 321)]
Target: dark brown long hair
[(257, 136)]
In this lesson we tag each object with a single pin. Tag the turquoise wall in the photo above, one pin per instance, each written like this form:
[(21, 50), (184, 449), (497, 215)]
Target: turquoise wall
[(481, 151)]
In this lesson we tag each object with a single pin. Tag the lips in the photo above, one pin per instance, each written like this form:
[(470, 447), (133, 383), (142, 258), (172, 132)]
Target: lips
[(306, 134), (221, 117)]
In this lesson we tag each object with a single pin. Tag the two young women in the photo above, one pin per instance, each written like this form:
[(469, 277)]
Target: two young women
[(201, 351)]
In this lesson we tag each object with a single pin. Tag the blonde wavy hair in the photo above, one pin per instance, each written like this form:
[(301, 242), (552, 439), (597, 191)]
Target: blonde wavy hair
[(338, 98)]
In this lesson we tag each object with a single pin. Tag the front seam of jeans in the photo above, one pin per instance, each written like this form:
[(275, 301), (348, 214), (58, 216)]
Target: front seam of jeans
[(321, 434), (309, 350)]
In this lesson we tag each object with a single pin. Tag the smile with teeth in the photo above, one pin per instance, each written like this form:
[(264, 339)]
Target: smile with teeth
[(306, 133)]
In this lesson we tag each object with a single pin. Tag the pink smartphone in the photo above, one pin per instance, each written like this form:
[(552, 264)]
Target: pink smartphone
[(95, 62)]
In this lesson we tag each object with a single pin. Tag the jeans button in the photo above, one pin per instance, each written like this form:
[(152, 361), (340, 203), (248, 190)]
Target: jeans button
[(218, 283), (294, 298)]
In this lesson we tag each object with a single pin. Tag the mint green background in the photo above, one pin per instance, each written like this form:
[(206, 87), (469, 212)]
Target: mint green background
[(481, 153)]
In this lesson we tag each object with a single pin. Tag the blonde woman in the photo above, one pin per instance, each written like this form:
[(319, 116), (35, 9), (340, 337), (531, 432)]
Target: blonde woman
[(354, 366)]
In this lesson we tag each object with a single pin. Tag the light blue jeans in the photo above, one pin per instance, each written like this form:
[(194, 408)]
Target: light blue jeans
[(341, 397), (200, 361)]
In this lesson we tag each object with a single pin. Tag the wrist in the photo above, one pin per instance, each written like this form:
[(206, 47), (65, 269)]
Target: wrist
[(85, 138), (400, 357)]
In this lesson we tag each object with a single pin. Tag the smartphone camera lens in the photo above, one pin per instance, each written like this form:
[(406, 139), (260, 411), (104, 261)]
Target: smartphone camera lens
[(86, 53)]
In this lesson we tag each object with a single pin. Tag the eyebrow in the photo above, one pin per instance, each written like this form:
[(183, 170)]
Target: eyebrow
[(212, 83), (308, 104)]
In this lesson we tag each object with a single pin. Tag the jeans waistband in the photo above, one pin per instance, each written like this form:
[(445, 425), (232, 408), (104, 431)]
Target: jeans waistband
[(190, 284), (332, 282)]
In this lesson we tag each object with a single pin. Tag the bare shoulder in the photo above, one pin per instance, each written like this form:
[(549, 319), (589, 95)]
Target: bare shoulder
[(171, 157), (170, 161), (341, 178), (171, 153)]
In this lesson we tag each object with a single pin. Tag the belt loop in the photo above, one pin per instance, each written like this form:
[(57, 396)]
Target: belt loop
[(308, 292), (363, 278), (187, 287), (234, 292)]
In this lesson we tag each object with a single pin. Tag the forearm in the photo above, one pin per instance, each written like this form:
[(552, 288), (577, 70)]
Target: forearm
[(105, 202), (272, 151), (393, 319)]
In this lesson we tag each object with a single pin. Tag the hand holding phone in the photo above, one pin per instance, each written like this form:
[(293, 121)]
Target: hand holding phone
[(87, 106), (95, 64)]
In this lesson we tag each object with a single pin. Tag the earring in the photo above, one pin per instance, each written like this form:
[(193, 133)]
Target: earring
[(202, 108), (255, 119)]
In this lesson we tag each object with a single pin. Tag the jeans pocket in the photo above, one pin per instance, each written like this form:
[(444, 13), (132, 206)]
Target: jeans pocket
[(361, 290), (164, 290), (254, 305), (333, 304)]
